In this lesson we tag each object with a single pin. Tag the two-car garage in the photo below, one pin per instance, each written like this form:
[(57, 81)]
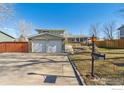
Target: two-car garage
[(47, 46), (46, 43)]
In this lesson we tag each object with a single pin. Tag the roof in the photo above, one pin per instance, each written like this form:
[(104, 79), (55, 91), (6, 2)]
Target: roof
[(30, 37), (121, 27), (55, 30), (76, 36), (6, 34)]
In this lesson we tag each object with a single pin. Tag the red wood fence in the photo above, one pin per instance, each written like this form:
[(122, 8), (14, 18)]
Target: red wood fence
[(13, 46)]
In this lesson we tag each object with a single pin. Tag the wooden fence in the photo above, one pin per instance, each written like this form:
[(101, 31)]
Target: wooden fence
[(111, 44), (13, 47)]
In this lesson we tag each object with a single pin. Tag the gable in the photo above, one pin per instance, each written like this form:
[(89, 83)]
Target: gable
[(45, 37)]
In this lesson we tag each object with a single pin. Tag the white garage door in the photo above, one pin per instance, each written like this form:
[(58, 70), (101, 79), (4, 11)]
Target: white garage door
[(51, 46), (38, 46), (54, 46)]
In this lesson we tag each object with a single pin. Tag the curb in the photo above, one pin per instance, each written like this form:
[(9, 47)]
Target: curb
[(77, 74)]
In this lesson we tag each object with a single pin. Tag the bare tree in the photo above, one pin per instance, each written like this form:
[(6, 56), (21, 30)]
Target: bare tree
[(6, 10), (25, 29), (95, 30), (109, 30)]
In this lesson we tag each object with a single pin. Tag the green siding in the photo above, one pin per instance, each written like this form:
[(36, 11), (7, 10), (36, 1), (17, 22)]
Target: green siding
[(5, 38)]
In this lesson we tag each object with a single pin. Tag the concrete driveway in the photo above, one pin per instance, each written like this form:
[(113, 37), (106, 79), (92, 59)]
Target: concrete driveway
[(35, 69)]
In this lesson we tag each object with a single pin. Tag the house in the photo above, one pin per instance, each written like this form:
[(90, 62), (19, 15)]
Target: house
[(121, 34), (5, 37), (47, 41), (76, 38)]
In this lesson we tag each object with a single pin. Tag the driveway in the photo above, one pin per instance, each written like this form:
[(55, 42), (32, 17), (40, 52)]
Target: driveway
[(35, 69)]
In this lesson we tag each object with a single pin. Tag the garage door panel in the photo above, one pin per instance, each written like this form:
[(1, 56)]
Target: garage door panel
[(38, 46), (54, 46)]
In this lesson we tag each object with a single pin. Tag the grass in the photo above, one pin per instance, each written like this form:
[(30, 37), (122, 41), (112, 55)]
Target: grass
[(107, 72)]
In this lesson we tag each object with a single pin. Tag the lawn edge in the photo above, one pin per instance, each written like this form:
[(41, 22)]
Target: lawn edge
[(76, 72)]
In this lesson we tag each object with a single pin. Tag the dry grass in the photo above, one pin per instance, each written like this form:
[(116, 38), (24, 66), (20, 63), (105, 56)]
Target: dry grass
[(109, 71)]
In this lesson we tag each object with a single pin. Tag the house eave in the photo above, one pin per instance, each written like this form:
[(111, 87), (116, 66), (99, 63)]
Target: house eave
[(7, 35), (44, 34)]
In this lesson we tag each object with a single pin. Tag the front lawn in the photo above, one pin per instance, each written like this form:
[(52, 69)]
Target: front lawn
[(107, 72)]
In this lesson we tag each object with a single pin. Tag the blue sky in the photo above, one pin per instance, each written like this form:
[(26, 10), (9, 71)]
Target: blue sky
[(74, 18)]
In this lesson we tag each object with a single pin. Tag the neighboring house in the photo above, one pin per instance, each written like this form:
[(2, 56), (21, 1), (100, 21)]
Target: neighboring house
[(76, 38), (47, 41), (5, 37), (121, 34)]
